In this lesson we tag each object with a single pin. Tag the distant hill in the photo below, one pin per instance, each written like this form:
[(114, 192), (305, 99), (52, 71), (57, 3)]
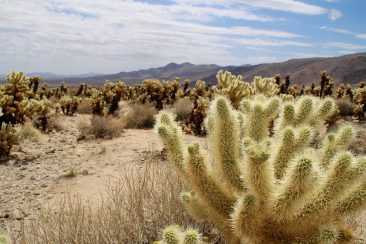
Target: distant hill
[(344, 69), (348, 68)]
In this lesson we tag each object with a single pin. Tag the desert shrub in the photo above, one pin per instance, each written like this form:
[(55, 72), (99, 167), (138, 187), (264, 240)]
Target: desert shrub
[(345, 107), (55, 123), (8, 138), (102, 127), (270, 185), (134, 211), (141, 116), (27, 131), (183, 108), (85, 107)]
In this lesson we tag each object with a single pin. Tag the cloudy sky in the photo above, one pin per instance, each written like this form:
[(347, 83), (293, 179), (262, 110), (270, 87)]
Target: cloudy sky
[(109, 36)]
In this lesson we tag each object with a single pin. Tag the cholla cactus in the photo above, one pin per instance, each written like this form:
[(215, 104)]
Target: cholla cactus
[(69, 105), (14, 100), (8, 138), (4, 239), (270, 184), (175, 235), (233, 87), (42, 111), (264, 86), (359, 112)]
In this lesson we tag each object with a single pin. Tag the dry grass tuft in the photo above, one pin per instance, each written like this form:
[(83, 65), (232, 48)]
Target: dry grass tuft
[(141, 116), (183, 108), (134, 211), (345, 107), (85, 107), (27, 131), (55, 123), (102, 127)]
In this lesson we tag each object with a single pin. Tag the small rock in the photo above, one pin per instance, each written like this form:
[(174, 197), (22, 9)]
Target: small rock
[(43, 185), (85, 172)]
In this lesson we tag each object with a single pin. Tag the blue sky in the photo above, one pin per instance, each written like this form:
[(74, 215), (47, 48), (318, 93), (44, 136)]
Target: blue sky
[(80, 36)]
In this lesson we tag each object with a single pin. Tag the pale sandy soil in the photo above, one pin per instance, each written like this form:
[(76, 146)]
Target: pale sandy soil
[(39, 176)]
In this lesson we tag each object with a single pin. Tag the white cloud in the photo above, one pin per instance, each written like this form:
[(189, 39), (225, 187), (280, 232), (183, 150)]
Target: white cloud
[(337, 30), (344, 45), (344, 31), (293, 6), (75, 36), (361, 36), (335, 14)]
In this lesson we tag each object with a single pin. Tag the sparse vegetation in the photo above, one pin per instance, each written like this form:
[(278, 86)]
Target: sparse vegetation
[(102, 127), (141, 116), (278, 159)]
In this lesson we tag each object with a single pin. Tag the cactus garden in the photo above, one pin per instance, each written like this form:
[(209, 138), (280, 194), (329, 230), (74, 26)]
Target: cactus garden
[(182, 162)]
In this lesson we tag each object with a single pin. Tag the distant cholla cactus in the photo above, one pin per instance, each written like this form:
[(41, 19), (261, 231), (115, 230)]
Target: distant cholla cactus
[(264, 86), (8, 138), (175, 235), (269, 181), (69, 105), (233, 87)]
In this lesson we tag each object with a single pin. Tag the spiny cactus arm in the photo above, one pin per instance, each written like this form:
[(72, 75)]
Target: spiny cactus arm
[(304, 110), (259, 172), (289, 142), (206, 185), (244, 218), (194, 207), (171, 134), (296, 185), (335, 182), (325, 235), (225, 142), (324, 109), (224, 78), (333, 143), (354, 201), (259, 118)]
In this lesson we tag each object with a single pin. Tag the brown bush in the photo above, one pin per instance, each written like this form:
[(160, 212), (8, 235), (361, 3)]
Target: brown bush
[(134, 211), (55, 123), (183, 108), (85, 107), (101, 127), (345, 107), (141, 116)]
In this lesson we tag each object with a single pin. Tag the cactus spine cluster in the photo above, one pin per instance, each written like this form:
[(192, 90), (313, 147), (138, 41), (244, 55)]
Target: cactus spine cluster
[(268, 180), (175, 235)]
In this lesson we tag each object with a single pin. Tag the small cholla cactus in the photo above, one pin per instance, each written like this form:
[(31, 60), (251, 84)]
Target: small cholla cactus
[(269, 180), (233, 87), (8, 138), (175, 235), (69, 105), (359, 112), (15, 99)]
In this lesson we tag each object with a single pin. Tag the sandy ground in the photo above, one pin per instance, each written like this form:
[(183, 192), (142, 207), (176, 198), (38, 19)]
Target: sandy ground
[(58, 164)]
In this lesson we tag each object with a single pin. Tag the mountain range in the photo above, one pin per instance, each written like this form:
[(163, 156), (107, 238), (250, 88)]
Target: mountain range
[(343, 69)]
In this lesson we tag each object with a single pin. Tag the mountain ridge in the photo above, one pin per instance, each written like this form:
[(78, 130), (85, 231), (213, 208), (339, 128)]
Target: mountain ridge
[(349, 68)]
